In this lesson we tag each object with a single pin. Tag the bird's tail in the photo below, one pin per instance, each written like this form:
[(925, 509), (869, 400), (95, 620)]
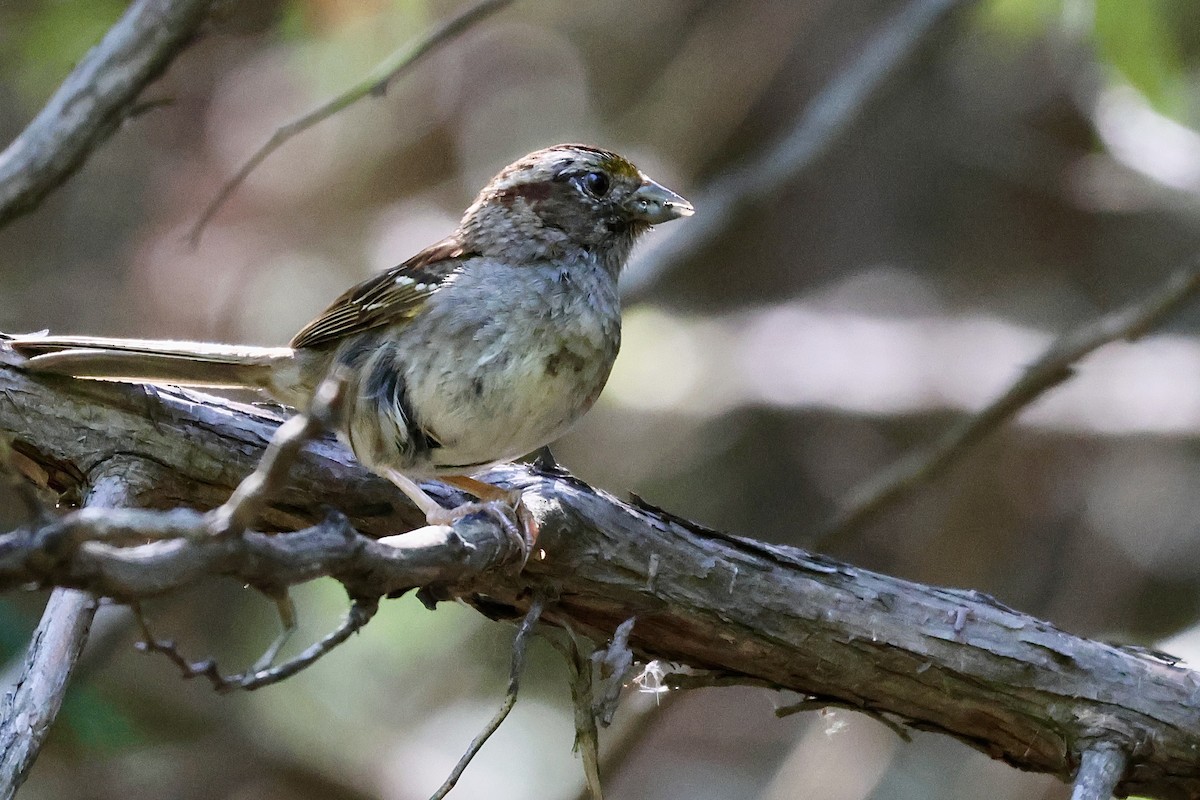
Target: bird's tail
[(149, 361)]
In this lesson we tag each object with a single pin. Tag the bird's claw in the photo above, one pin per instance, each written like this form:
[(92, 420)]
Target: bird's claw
[(513, 517)]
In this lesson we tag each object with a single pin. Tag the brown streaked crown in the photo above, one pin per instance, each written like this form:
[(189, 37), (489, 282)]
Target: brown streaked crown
[(562, 197)]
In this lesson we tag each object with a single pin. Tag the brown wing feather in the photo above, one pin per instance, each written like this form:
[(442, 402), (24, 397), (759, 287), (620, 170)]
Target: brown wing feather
[(388, 298)]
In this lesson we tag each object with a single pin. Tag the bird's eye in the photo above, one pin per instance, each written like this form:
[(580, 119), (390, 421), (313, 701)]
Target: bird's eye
[(597, 183)]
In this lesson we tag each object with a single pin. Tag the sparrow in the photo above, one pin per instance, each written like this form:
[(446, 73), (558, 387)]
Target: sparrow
[(479, 349)]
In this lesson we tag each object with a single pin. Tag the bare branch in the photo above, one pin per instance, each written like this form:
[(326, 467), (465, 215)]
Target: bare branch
[(287, 616), (361, 612), (95, 551), (98, 94), (519, 646), (580, 658), (612, 664), (251, 496), (827, 117), (1100, 770), (31, 707), (896, 483), (944, 660), (375, 84), (630, 735)]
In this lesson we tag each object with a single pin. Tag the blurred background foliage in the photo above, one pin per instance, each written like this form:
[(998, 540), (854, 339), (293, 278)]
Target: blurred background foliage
[(1036, 163)]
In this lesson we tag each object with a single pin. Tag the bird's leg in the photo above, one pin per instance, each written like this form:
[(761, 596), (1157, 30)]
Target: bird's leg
[(420, 498), (490, 496), (493, 500), (484, 491)]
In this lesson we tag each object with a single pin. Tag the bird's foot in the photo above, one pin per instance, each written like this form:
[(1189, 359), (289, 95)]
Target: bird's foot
[(512, 515), (503, 505)]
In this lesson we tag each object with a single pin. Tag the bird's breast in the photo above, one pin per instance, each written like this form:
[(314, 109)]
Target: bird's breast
[(511, 360)]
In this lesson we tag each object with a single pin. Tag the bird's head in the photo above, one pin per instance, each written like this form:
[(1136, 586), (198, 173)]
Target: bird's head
[(568, 197)]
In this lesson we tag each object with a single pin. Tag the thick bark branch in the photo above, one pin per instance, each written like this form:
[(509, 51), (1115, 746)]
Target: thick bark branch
[(939, 659)]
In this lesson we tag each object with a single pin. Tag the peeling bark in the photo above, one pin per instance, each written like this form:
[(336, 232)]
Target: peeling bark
[(947, 660)]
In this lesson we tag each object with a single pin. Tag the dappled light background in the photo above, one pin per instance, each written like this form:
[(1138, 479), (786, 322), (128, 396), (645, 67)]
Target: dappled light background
[(1034, 164)]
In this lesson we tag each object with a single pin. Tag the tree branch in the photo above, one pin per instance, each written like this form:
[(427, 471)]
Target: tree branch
[(895, 484), (519, 646), (33, 704), (247, 502), (98, 94), (375, 84), (31, 707), (940, 659), (361, 612), (829, 115), (1099, 772)]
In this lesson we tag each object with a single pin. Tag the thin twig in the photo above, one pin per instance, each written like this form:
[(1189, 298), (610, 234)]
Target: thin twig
[(1100, 771), (286, 607), (597, 679), (611, 664), (98, 94), (824, 120), (361, 612), (249, 499), (519, 646), (584, 704), (896, 483), (629, 736), (30, 708), (375, 84), (587, 733)]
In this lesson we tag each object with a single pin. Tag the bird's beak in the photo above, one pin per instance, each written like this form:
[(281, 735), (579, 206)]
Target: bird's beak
[(653, 203)]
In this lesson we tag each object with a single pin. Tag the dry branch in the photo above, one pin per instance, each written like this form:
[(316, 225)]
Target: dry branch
[(519, 646), (361, 612), (821, 125), (94, 99), (33, 703), (1099, 773), (939, 659), (893, 485), (374, 85)]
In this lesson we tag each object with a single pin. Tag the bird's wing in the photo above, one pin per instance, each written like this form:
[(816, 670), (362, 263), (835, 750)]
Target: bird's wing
[(393, 297)]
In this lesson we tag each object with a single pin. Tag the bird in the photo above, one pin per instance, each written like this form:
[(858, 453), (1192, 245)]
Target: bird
[(479, 349)]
